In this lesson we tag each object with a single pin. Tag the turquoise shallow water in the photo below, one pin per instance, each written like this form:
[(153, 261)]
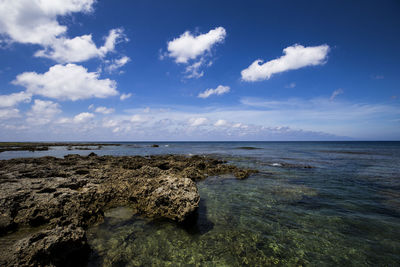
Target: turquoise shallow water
[(344, 211)]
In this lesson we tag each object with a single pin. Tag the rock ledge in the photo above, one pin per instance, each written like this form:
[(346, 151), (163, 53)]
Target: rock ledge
[(63, 197)]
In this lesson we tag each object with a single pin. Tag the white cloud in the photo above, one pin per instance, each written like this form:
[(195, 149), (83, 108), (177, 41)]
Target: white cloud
[(80, 48), (80, 118), (109, 123), (137, 118), (125, 96), (188, 46), (194, 49), (217, 91), (42, 112), (35, 22), (294, 57), (240, 125), (83, 117), (13, 99), (193, 71), (321, 114), (115, 36), (117, 63), (335, 94), (9, 113), (197, 121), (64, 82), (104, 110), (221, 123), (254, 119)]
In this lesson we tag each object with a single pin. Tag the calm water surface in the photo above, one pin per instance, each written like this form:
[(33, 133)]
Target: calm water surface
[(344, 211)]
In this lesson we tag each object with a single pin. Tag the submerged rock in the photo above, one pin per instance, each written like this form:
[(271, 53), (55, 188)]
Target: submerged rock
[(66, 196)]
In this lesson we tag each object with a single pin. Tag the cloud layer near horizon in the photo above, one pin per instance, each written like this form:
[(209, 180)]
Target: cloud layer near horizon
[(255, 119)]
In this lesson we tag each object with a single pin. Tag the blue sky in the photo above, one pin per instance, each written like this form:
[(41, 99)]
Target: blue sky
[(199, 70)]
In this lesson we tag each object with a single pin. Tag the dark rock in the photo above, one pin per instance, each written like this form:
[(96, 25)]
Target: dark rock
[(6, 224), (193, 173), (61, 246)]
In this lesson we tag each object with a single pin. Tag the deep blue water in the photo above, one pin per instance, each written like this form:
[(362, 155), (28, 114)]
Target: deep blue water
[(343, 211)]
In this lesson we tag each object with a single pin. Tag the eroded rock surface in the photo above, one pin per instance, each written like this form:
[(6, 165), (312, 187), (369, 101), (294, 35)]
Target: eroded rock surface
[(65, 196)]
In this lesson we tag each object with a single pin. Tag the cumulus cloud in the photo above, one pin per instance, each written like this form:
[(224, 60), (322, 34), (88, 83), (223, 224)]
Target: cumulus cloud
[(294, 57), (13, 99), (80, 48), (42, 112), (221, 123), (109, 123), (187, 46), (193, 49), (137, 118), (125, 96), (67, 82), (197, 121), (117, 63), (217, 91), (336, 93), (80, 118), (240, 125), (35, 22), (83, 117), (104, 110)]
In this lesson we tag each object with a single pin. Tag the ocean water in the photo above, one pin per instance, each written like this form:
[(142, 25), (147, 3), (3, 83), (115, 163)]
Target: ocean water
[(343, 211)]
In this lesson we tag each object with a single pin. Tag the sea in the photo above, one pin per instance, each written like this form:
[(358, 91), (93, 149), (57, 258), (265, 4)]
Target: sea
[(311, 204)]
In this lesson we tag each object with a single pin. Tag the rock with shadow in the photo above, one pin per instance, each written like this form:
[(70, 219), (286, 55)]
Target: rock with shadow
[(62, 197)]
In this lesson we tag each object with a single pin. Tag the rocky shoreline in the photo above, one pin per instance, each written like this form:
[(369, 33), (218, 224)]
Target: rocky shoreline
[(47, 204), (35, 146)]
